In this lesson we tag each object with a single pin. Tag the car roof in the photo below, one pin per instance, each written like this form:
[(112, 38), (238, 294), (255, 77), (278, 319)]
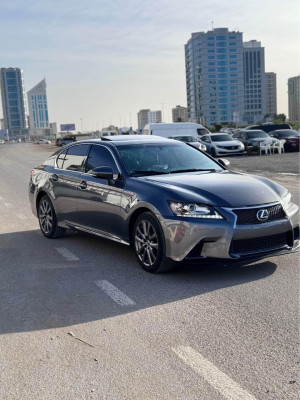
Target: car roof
[(114, 138), (252, 131), (124, 139)]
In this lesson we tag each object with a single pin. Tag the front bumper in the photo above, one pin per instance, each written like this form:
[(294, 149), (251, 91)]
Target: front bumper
[(222, 152), (188, 238)]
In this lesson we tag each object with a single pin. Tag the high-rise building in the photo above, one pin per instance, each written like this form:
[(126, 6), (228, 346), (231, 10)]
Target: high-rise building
[(180, 114), (38, 110), (147, 116), (154, 117), (143, 118), (13, 101), (294, 98), (254, 82), (271, 94), (225, 78), (214, 77)]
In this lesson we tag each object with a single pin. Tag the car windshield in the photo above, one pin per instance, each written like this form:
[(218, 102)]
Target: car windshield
[(221, 138), (150, 159), (257, 134), (285, 134), (186, 139)]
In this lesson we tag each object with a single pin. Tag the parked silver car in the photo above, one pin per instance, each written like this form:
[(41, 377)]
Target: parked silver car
[(192, 140), (218, 144)]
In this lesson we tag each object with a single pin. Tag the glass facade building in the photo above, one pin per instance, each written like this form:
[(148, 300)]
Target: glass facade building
[(254, 82), (215, 77), (13, 100), (38, 106)]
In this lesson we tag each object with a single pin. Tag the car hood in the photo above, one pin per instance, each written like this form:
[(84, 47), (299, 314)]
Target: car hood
[(224, 189)]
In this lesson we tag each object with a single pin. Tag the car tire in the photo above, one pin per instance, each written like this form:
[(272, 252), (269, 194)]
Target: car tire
[(213, 152), (149, 244), (48, 219)]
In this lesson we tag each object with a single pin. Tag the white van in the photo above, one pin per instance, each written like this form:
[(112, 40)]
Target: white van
[(175, 129)]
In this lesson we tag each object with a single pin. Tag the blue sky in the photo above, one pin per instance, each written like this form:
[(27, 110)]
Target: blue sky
[(104, 61)]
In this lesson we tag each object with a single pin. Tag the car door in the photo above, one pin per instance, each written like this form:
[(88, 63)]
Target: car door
[(65, 180), (99, 201)]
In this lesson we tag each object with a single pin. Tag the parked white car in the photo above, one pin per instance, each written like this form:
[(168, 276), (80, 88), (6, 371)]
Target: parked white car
[(220, 144), (42, 141)]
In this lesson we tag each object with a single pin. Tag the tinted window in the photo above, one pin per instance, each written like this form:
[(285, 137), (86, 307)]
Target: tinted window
[(75, 157), (147, 159), (253, 135), (100, 156), (221, 138), (285, 134)]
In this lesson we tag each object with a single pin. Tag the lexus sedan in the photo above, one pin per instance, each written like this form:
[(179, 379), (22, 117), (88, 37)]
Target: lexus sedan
[(218, 144), (169, 201)]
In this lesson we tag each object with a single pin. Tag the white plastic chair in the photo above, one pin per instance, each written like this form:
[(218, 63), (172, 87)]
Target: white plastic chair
[(265, 146), (280, 147)]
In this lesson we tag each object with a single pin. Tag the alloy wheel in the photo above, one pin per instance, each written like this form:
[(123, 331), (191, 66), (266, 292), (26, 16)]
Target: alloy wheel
[(46, 216), (146, 243)]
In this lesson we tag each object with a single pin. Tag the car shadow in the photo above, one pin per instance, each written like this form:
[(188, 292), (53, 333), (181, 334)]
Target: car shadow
[(43, 289)]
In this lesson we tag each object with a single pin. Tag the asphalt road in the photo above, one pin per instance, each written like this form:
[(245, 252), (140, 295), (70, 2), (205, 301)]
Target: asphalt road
[(79, 319)]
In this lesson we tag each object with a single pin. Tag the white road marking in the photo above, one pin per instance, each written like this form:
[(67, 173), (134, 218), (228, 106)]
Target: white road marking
[(113, 292), (66, 253), (8, 205), (1, 198), (212, 375)]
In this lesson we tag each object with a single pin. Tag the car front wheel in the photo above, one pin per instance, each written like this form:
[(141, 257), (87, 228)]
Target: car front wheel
[(149, 244), (48, 220)]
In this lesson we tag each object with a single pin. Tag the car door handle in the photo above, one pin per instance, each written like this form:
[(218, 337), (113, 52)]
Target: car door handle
[(54, 178), (83, 185)]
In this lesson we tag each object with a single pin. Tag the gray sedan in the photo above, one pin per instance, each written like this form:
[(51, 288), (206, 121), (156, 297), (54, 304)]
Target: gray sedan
[(167, 200), (219, 144)]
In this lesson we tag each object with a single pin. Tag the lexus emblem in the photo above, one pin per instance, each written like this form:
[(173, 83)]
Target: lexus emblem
[(262, 215)]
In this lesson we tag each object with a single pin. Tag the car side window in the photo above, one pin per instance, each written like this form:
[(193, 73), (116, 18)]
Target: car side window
[(100, 156), (75, 157), (60, 159)]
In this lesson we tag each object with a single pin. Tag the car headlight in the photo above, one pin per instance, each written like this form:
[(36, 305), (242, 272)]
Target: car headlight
[(286, 200), (194, 210)]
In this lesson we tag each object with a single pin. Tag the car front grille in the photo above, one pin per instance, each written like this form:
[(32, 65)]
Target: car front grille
[(247, 216), (246, 246), (229, 147)]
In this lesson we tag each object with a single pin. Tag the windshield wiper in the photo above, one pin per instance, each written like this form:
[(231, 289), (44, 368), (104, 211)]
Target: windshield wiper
[(192, 170), (147, 172)]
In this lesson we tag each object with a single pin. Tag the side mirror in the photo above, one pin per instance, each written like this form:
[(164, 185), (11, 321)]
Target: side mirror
[(102, 172), (224, 162)]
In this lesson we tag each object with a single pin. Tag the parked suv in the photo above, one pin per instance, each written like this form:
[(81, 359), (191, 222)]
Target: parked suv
[(268, 127)]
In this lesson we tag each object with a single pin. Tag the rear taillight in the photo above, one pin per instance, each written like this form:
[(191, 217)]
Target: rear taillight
[(32, 172)]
